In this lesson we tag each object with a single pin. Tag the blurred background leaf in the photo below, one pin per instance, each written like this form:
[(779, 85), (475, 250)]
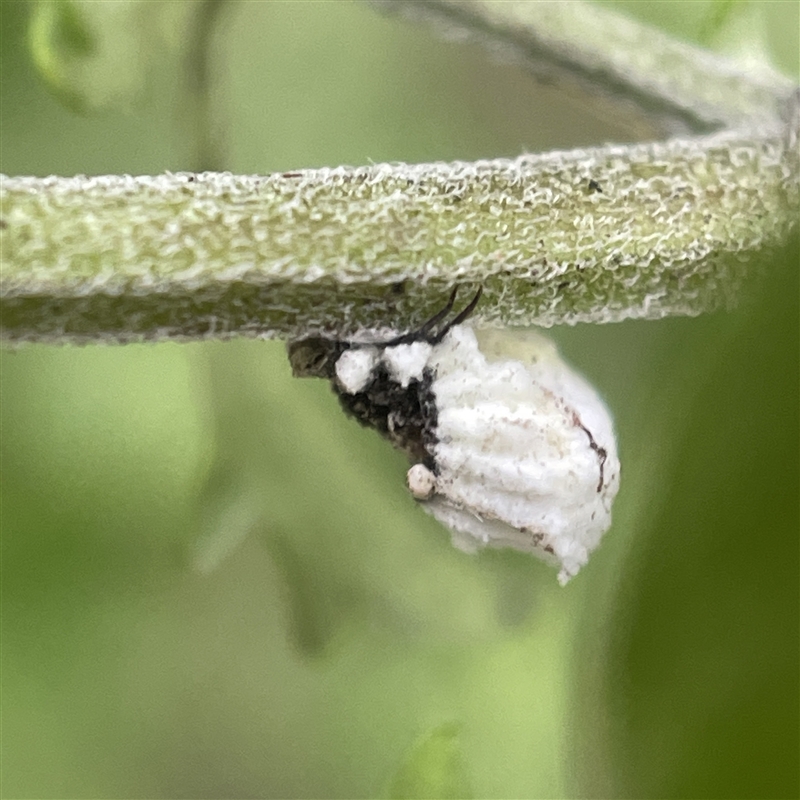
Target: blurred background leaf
[(432, 769), (99, 55), (215, 585)]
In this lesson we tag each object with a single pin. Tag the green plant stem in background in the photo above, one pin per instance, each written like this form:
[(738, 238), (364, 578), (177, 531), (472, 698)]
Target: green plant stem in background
[(610, 56), (603, 234)]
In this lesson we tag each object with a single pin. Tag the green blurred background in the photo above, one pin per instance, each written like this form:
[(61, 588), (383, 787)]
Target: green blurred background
[(215, 585)]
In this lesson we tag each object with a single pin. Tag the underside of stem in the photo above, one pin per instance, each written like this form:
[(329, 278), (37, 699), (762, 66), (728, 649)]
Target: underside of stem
[(595, 235)]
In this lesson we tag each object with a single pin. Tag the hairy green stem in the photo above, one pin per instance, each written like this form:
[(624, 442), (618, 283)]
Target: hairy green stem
[(603, 234)]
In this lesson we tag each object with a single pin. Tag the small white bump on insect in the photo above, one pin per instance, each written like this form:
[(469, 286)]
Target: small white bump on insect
[(509, 446), (406, 362), (421, 482), (354, 368)]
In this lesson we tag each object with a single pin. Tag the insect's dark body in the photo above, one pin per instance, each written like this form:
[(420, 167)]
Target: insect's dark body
[(405, 416)]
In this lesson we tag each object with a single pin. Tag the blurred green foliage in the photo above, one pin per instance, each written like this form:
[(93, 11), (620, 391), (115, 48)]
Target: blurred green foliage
[(215, 585), (433, 769)]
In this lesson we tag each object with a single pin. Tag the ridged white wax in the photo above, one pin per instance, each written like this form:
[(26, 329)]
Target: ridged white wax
[(515, 461)]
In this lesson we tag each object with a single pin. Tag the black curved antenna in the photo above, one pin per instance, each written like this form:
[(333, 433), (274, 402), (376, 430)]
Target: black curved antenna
[(423, 333)]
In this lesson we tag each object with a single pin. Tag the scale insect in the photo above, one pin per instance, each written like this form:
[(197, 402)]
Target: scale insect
[(509, 447)]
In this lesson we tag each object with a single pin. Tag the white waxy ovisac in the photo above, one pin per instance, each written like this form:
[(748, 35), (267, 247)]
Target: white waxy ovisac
[(526, 455)]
